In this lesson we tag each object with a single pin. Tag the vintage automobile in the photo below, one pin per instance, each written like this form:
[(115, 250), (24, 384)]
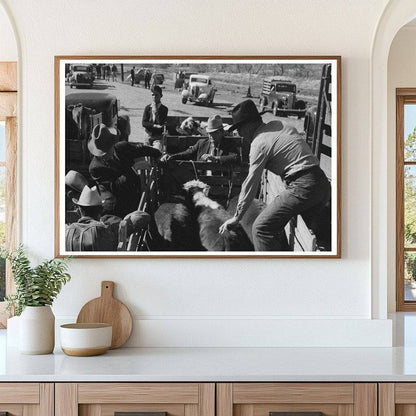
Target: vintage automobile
[(200, 90), (279, 95), (81, 76), (84, 110), (158, 79)]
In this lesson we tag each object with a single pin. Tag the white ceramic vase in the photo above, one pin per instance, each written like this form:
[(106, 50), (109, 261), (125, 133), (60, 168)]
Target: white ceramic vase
[(37, 330), (13, 331)]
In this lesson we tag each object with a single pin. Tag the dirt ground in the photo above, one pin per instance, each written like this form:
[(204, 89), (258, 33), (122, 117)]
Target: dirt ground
[(134, 99)]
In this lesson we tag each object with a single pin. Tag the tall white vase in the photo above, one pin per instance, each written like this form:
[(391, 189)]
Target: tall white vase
[(13, 331), (37, 330)]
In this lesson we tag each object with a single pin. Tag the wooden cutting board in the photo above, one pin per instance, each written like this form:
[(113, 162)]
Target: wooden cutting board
[(107, 309)]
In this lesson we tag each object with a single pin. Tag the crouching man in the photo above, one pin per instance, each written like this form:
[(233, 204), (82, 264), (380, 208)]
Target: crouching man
[(112, 166), (94, 232)]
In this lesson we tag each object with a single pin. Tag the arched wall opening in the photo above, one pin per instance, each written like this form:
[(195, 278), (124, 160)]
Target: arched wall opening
[(401, 73), (397, 14)]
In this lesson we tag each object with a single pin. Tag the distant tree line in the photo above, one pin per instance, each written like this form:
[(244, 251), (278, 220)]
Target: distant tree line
[(289, 70)]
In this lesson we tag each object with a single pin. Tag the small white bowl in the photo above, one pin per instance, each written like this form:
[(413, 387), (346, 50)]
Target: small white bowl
[(83, 340)]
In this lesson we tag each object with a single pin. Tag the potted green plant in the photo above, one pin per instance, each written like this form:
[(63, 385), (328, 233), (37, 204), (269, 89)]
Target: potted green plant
[(36, 289)]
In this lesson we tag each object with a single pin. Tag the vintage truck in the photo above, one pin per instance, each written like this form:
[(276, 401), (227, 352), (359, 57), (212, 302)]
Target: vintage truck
[(279, 95)]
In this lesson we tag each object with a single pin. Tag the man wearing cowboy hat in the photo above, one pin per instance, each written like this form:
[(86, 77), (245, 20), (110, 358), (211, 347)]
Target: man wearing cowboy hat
[(214, 148), (74, 184), (94, 232), (283, 151), (112, 166)]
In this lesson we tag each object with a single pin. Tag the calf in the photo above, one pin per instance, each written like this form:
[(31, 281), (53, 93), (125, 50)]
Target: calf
[(250, 216), (177, 228), (209, 215), (190, 127)]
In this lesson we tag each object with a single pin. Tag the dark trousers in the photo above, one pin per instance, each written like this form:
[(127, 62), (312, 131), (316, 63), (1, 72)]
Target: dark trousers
[(308, 192)]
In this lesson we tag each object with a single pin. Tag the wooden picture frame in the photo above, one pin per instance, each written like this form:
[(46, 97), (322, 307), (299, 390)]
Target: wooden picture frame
[(108, 103)]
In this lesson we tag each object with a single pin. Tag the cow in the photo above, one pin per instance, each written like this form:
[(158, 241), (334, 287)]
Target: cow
[(209, 215), (250, 215), (178, 230)]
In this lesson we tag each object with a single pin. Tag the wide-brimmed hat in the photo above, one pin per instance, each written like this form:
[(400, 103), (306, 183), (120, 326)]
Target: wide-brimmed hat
[(214, 123), (75, 180), (90, 197), (139, 219), (244, 112), (102, 139)]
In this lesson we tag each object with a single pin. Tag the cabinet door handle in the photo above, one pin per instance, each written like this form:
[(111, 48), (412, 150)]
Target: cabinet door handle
[(296, 414), (138, 414)]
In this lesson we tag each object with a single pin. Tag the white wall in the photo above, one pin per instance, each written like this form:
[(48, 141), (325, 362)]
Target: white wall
[(179, 302), (8, 46), (401, 74)]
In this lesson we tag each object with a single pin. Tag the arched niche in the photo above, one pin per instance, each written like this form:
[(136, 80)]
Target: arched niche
[(396, 15)]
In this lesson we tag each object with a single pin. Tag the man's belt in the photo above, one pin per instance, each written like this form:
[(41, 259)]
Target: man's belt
[(300, 173)]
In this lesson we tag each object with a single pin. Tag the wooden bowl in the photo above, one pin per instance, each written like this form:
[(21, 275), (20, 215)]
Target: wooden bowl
[(84, 340)]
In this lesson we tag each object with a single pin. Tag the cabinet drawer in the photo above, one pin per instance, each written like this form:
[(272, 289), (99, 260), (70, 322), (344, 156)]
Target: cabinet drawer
[(138, 393), (19, 393), (106, 399), (296, 399)]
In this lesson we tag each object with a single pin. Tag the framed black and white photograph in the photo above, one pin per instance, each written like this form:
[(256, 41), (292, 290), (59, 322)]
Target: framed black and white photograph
[(197, 156)]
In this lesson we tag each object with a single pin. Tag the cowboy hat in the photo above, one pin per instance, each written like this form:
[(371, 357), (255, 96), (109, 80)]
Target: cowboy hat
[(102, 139), (244, 112), (214, 124), (75, 180), (90, 197)]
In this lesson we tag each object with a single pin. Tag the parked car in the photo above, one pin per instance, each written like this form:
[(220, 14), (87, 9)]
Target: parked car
[(201, 89), (139, 75), (81, 76), (158, 79), (84, 110), (280, 96)]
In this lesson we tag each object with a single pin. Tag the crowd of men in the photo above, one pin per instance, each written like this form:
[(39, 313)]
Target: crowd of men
[(116, 193)]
